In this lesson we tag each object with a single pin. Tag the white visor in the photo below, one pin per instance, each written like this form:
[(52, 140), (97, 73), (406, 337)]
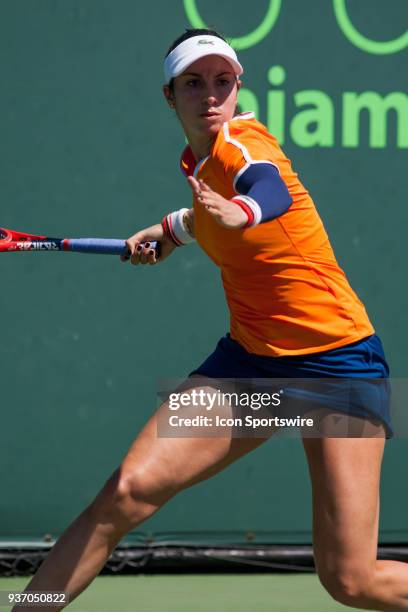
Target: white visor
[(192, 49)]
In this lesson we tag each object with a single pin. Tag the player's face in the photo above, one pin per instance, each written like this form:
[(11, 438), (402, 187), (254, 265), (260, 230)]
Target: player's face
[(205, 96)]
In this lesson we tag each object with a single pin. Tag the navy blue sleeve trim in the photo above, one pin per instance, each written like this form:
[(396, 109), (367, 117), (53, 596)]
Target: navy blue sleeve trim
[(263, 184)]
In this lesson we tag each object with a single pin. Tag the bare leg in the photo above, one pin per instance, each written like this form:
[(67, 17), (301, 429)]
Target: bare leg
[(153, 471), (345, 474)]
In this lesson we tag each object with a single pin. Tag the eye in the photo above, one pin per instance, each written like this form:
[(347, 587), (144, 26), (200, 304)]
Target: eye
[(192, 82), (224, 82)]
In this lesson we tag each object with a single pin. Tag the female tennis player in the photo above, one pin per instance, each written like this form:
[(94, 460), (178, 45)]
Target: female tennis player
[(293, 315)]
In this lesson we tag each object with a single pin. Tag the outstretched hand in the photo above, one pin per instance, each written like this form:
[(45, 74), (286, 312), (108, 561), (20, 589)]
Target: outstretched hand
[(225, 213)]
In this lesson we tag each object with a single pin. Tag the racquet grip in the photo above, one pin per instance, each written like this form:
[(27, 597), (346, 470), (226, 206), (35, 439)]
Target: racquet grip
[(101, 246)]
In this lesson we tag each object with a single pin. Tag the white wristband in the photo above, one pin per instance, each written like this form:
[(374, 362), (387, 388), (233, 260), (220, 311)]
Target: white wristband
[(177, 228), (253, 205)]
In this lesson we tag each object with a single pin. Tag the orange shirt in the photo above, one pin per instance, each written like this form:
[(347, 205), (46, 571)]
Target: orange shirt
[(286, 293)]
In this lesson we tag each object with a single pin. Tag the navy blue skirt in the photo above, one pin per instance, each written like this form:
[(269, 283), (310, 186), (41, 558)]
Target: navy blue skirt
[(359, 375)]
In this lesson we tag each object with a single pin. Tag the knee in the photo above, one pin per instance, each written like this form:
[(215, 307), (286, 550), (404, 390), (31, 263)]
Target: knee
[(131, 497), (347, 586)]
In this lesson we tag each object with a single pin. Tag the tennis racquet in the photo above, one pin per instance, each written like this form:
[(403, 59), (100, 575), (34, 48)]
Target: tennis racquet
[(15, 242)]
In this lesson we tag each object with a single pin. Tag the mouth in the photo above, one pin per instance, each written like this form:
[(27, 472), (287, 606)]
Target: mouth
[(209, 114)]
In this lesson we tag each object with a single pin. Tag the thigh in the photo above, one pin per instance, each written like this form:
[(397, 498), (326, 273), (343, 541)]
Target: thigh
[(345, 476), (170, 463)]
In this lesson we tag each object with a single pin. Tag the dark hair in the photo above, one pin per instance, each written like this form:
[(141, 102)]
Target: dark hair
[(189, 33)]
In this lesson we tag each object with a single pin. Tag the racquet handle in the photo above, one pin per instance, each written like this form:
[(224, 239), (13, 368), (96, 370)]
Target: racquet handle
[(102, 246)]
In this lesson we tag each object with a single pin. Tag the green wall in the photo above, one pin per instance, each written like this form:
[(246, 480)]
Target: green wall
[(88, 147)]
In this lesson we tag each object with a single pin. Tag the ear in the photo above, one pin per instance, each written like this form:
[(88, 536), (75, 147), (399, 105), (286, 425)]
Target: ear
[(169, 96), (239, 84)]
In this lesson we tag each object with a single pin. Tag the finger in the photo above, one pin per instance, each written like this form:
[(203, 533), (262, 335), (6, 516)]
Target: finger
[(144, 253), (211, 209), (194, 184), (149, 254), (152, 257), (210, 197), (204, 187), (205, 199), (208, 201), (135, 257), (131, 245)]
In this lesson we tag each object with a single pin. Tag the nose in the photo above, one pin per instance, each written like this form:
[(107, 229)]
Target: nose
[(210, 97), (210, 102)]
